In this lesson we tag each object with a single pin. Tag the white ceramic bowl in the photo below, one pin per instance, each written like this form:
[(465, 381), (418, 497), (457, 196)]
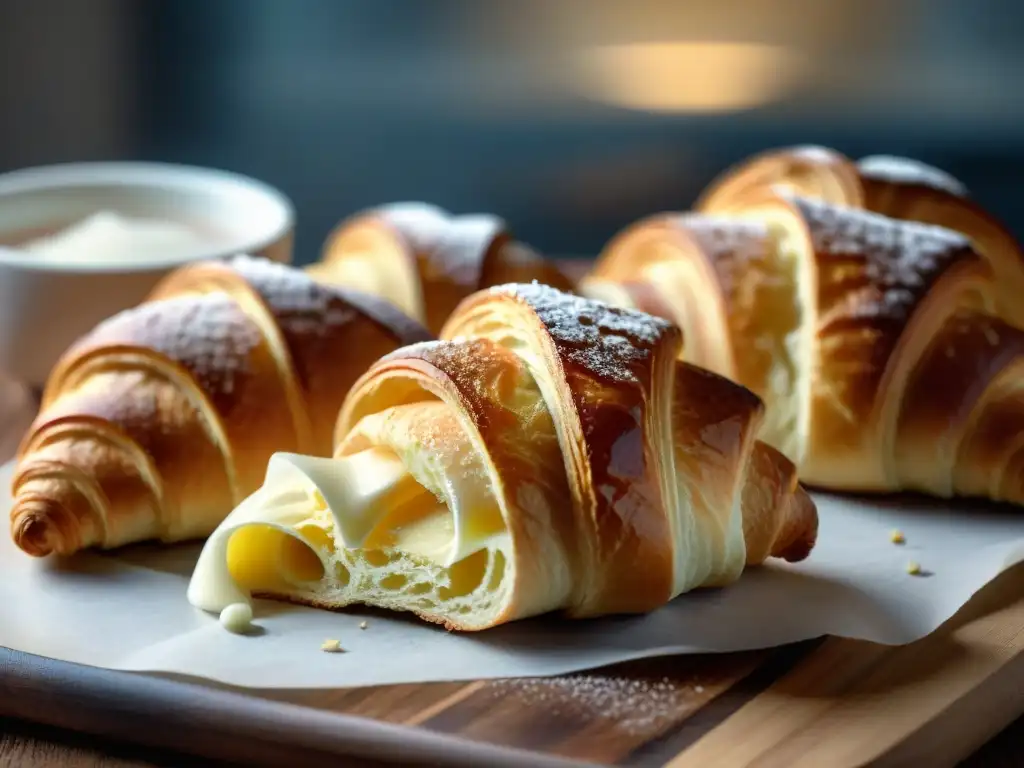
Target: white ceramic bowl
[(46, 304)]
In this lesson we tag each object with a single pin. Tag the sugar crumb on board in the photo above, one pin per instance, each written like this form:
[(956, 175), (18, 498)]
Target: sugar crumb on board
[(331, 646), (632, 705)]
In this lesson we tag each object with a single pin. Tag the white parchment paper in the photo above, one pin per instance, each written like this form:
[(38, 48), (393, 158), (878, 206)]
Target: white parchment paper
[(129, 611)]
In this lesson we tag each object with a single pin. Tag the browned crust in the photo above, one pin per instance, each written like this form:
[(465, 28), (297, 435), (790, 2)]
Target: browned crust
[(805, 170), (873, 274), (729, 256), (452, 256), (779, 517), (607, 363), (510, 261), (329, 335), (966, 354), (953, 398)]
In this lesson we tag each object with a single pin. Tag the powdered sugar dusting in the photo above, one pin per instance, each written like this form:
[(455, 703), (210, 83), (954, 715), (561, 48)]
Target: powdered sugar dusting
[(607, 341), (891, 263), (303, 307), (206, 334), (903, 170), (631, 705), (450, 246), (300, 305), (732, 246)]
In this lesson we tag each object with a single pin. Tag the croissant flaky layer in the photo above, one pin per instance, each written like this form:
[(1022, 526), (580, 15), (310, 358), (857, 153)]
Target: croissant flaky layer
[(163, 418), (551, 454), (879, 346), (425, 260)]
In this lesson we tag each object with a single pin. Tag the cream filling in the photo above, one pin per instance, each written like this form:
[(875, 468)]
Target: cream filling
[(358, 529)]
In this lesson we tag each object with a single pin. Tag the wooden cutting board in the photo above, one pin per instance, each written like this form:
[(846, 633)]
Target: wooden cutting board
[(820, 704)]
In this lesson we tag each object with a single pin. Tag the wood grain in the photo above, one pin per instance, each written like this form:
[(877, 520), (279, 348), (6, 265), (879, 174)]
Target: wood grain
[(831, 703), (854, 703)]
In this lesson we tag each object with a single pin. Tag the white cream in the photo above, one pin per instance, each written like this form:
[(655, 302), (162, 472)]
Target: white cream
[(354, 490), (237, 618), (285, 500), (108, 237)]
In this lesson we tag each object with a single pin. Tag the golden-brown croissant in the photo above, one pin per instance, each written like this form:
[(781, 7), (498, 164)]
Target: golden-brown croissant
[(160, 420), (896, 187), (876, 344), (425, 261), (551, 454)]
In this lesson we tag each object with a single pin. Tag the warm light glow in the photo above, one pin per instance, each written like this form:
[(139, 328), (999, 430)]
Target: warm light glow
[(688, 77)]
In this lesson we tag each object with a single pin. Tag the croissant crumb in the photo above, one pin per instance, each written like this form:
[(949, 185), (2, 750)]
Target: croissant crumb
[(331, 646)]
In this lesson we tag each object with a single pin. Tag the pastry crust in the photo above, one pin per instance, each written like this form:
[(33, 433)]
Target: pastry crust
[(896, 187), (626, 413), (425, 260), (163, 417)]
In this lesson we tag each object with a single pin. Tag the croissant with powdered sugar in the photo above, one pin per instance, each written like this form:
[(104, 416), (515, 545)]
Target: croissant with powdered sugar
[(160, 420), (425, 260)]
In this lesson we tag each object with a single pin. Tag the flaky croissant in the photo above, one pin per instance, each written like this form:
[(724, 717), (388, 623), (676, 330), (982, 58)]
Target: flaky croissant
[(875, 343), (551, 454), (425, 260), (159, 421), (896, 187)]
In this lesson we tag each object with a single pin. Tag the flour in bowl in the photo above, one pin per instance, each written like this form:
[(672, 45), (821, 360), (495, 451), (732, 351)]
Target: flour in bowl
[(108, 237)]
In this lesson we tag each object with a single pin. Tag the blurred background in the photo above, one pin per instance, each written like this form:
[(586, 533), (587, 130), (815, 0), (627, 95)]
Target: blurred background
[(570, 118)]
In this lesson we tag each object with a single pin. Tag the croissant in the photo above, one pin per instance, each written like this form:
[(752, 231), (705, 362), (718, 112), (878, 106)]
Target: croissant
[(159, 421), (425, 261), (875, 343), (897, 187), (551, 453)]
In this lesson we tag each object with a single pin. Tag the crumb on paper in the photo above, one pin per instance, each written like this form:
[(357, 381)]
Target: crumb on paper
[(897, 537), (914, 568), (362, 625), (237, 618), (331, 646)]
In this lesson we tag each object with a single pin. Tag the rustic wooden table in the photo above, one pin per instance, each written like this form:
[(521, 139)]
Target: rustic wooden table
[(27, 745)]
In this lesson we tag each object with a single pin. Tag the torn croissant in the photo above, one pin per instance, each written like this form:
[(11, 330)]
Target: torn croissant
[(425, 260), (552, 454), (160, 420), (876, 344)]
